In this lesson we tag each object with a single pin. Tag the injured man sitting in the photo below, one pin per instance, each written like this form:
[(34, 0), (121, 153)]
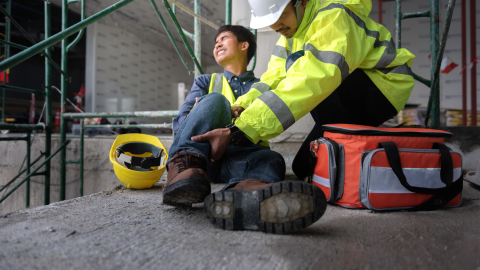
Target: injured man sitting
[(255, 196)]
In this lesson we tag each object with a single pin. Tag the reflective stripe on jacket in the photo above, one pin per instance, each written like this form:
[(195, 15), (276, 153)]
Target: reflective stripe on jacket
[(219, 84), (337, 37)]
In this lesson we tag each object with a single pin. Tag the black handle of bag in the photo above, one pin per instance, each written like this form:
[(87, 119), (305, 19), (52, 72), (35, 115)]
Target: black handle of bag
[(446, 170)]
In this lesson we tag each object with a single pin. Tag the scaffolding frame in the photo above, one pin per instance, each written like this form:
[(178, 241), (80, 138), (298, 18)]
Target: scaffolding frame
[(44, 46)]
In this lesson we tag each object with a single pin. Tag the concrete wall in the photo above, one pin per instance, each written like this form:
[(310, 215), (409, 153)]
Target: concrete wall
[(126, 73)]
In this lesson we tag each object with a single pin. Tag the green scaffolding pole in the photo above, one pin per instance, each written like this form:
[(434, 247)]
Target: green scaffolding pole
[(7, 54), (48, 106)]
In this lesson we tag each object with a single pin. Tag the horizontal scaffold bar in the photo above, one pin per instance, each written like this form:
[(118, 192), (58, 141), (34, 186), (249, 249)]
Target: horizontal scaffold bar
[(122, 114), (22, 126), (18, 46), (415, 15), (21, 89), (165, 125), (23, 138), (41, 46)]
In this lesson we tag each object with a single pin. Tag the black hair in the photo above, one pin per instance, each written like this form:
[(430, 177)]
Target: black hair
[(243, 35)]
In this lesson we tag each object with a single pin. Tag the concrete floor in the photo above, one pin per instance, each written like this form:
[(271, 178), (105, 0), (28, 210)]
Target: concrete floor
[(131, 229)]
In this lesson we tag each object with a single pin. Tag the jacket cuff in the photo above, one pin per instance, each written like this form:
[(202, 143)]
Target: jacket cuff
[(248, 130)]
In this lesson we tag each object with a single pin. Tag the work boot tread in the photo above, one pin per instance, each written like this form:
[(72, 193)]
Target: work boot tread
[(281, 208)]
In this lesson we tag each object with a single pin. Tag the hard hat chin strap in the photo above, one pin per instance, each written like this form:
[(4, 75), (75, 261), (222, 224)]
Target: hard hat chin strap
[(299, 17)]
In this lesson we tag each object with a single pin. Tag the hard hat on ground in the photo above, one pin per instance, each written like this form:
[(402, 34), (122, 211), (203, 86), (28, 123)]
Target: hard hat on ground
[(138, 160), (267, 12)]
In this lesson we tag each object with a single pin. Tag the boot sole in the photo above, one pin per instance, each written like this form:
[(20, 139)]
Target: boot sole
[(282, 208), (186, 192)]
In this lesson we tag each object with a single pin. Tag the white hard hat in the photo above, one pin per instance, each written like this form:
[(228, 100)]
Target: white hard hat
[(266, 12)]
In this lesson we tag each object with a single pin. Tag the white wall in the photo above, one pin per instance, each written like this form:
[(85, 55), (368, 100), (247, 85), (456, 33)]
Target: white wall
[(125, 73)]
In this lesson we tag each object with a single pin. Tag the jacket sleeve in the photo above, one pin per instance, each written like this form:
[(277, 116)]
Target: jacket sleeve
[(271, 78), (334, 46), (199, 88)]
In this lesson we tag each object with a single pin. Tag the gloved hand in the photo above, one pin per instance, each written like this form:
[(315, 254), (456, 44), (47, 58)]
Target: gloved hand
[(219, 140)]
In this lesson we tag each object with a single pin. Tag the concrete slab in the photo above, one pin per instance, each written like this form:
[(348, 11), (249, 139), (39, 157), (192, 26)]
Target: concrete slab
[(131, 229)]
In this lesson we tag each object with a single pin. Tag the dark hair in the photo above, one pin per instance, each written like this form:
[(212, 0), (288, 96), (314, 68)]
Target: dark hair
[(243, 35)]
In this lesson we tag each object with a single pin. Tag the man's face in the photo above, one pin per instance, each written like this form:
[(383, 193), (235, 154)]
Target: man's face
[(287, 23), (227, 49)]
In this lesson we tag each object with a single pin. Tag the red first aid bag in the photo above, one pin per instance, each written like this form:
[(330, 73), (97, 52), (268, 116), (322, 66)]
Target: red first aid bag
[(387, 168)]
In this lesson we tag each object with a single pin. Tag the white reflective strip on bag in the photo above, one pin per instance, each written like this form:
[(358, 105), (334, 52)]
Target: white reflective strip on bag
[(321, 181), (384, 180)]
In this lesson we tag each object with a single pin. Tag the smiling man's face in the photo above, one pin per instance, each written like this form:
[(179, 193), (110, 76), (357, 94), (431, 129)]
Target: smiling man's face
[(228, 49)]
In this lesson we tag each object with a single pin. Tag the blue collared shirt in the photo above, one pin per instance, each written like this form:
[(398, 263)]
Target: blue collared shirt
[(240, 85)]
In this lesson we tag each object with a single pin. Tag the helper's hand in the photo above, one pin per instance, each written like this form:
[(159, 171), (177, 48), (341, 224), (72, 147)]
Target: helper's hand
[(236, 111), (219, 140)]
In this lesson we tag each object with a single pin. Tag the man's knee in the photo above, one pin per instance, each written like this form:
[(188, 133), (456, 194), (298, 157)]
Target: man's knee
[(216, 98)]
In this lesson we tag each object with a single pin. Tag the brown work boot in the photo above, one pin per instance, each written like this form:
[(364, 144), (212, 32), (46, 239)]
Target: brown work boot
[(187, 182), (256, 205)]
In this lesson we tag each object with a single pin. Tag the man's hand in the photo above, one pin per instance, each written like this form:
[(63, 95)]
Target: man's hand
[(219, 140), (236, 111)]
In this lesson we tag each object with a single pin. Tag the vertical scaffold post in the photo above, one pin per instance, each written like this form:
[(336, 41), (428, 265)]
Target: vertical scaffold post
[(27, 191), (63, 100), (48, 107), (398, 26), (434, 29), (7, 54), (82, 130), (198, 36), (228, 12)]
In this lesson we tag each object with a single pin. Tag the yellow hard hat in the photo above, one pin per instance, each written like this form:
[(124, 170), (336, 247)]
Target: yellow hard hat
[(138, 160)]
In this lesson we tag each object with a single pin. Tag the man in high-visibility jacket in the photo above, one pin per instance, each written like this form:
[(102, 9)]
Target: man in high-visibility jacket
[(253, 198), (333, 61)]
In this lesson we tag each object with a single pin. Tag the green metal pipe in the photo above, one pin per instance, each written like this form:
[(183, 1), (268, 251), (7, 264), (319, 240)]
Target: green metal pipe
[(433, 107), (15, 45), (73, 161), (63, 101), (7, 52), (197, 45), (41, 46), (165, 125), (21, 126), (184, 38), (122, 114), (82, 17), (228, 12), (422, 80), (170, 35), (27, 186), (82, 138), (188, 34), (20, 173), (34, 171), (26, 34), (415, 15), (39, 173), (398, 23), (8, 139), (48, 106), (434, 93), (20, 89)]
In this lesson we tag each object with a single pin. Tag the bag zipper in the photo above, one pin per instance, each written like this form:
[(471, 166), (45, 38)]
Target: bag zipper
[(377, 132)]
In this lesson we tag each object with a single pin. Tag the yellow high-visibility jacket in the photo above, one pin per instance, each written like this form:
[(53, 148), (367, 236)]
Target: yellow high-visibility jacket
[(219, 84), (337, 37)]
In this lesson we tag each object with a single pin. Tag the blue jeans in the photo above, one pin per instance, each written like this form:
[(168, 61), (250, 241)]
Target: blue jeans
[(238, 162)]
